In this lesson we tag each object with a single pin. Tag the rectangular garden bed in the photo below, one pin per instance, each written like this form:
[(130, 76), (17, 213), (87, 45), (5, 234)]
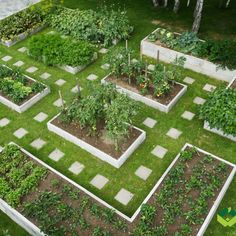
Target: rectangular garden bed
[(154, 49), (21, 36), (163, 104), (29, 101), (100, 147), (94, 212)]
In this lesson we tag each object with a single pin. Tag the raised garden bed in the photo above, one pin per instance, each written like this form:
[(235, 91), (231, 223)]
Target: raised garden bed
[(100, 147), (163, 103), (19, 91), (161, 51), (194, 174)]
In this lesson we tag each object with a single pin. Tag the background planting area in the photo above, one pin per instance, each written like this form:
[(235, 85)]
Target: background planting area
[(141, 16)]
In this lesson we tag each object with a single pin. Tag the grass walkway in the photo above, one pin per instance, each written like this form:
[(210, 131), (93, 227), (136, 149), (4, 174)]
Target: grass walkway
[(124, 177)]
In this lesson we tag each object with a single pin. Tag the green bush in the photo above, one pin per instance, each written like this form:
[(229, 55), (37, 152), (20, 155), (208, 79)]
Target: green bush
[(220, 110), (100, 27), (53, 50)]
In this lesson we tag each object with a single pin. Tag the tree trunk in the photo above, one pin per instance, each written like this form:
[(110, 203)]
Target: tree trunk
[(165, 3), (176, 6), (198, 16), (227, 4), (188, 3), (155, 3)]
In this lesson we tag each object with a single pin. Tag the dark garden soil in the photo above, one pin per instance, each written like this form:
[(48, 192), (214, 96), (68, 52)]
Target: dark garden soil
[(164, 99), (100, 141)]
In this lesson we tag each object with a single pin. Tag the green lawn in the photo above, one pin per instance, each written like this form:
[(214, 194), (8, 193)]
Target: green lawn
[(141, 16)]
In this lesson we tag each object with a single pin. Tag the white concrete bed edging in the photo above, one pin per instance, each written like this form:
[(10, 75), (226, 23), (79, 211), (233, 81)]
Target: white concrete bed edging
[(27, 225), (117, 163), (150, 102), (26, 105), (193, 63), (218, 131), (232, 81), (21, 36), (75, 70)]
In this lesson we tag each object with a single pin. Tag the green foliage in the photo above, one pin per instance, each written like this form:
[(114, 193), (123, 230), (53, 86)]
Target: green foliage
[(100, 27), (53, 50), (220, 110)]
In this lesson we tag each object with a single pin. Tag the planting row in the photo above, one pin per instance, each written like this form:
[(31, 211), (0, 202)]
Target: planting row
[(18, 91), (43, 201)]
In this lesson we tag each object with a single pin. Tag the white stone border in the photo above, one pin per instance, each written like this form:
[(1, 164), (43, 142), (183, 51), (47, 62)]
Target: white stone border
[(193, 63), (232, 81), (75, 70), (21, 36), (29, 103), (117, 163), (149, 102), (218, 131), (27, 225)]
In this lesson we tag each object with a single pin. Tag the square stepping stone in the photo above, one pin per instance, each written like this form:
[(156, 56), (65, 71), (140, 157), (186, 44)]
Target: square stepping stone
[(189, 80), (19, 63), (20, 133), (159, 151), (99, 181), (199, 100), (60, 82), (38, 143), (7, 58), (56, 155), (31, 69), (75, 89), (143, 172), (173, 133), (124, 196), (103, 50), (151, 67), (41, 117), (188, 115), (76, 168), (45, 75), (58, 102), (92, 77), (149, 122), (23, 49), (209, 87), (105, 66), (4, 122)]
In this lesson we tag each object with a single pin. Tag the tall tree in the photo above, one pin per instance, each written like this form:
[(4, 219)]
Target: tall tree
[(197, 15), (176, 6)]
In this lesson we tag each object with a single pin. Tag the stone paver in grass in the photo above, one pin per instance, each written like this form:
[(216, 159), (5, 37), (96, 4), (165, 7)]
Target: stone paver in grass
[(60, 82), (75, 89), (41, 117), (19, 63), (58, 102), (189, 80), (92, 77), (151, 67), (23, 49), (124, 196), (134, 60), (45, 75), (32, 69), (143, 172), (20, 133), (159, 151), (188, 115), (105, 66), (76, 168), (7, 58), (199, 100), (209, 87), (173, 133), (103, 50), (149, 122), (38, 143), (99, 181), (4, 122), (56, 155)]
